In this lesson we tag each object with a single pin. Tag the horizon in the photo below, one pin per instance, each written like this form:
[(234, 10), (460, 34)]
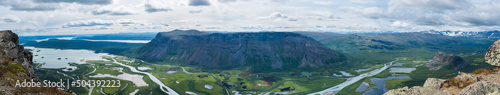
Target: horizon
[(60, 17)]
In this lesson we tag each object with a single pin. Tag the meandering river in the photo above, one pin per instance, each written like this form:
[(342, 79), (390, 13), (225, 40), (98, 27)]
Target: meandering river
[(163, 87), (337, 88)]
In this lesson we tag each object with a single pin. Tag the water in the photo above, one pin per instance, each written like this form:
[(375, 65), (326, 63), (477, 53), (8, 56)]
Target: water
[(163, 87), (361, 70), (402, 70), (57, 58), (335, 89), (380, 89), (362, 87), (345, 73)]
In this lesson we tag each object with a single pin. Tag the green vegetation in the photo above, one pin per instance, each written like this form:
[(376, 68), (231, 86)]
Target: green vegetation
[(395, 83)]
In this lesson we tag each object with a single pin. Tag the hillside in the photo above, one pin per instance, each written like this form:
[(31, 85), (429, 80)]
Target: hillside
[(261, 51)]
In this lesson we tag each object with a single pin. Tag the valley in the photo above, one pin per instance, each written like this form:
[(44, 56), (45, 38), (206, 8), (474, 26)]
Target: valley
[(369, 70)]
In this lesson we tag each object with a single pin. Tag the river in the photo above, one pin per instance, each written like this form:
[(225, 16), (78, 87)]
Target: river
[(163, 87), (337, 88)]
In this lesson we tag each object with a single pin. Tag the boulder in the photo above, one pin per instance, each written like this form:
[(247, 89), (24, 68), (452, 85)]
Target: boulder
[(481, 88), (434, 83), (493, 55)]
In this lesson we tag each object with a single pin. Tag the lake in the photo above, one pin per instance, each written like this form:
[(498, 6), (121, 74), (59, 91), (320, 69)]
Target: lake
[(379, 88), (59, 58)]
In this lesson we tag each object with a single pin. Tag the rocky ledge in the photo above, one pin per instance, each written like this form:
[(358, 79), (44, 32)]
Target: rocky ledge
[(16, 64), (480, 82)]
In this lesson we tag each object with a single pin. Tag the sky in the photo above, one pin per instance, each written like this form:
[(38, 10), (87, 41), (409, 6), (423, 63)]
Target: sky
[(64, 17)]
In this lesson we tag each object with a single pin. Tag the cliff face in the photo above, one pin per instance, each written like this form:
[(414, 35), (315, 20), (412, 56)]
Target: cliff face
[(16, 64), (442, 59), (265, 50), (10, 50)]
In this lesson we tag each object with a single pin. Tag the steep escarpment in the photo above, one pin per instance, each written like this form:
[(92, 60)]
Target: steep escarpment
[(16, 64), (260, 50), (442, 59)]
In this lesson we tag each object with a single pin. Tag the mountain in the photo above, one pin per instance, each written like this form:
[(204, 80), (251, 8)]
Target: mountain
[(388, 41), (262, 51), (16, 64), (321, 36), (442, 59), (485, 34)]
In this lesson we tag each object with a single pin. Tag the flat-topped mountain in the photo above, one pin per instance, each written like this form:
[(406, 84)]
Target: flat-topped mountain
[(260, 50)]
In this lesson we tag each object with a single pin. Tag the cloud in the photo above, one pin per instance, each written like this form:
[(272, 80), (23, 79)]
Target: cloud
[(122, 10), (195, 11), (279, 0), (430, 5), (400, 24), (126, 21), (369, 12), (324, 2), (26, 5), (11, 19), (88, 23), (464, 13), (277, 16), (86, 2), (155, 8), (199, 3), (363, 1), (225, 1)]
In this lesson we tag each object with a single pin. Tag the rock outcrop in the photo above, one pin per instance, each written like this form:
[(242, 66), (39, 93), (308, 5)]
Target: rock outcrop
[(481, 88), (493, 55), (480, 82), (16, 65), (12, 51), (434, 83), (262, 50), (442, 59), (463, 84), (417, 90)]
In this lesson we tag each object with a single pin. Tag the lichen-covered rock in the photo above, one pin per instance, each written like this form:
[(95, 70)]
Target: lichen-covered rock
[(493, 55), (417, 90), (434, 83), (467, 76), (481, 88)]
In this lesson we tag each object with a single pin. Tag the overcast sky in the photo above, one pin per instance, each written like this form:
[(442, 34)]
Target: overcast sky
[(56, 17)]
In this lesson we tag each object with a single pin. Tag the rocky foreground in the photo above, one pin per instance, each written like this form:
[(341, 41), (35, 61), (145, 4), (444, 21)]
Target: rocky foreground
[(16, 64), (479, 82)]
